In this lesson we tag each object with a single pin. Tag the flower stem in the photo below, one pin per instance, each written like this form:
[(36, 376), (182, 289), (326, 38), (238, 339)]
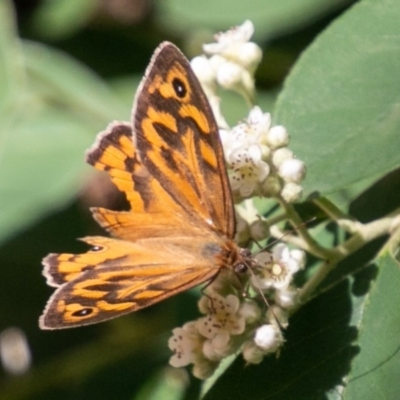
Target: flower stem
[(311, 245), (365, 234)]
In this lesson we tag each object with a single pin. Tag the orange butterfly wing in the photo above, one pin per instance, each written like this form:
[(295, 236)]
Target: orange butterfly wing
[(179, 232), (118, 277), (181, 147)]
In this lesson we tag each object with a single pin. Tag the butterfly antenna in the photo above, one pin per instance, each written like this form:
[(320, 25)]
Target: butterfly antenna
[(263, 296)]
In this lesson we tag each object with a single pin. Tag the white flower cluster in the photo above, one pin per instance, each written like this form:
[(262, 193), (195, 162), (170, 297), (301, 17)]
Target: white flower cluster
[(231, 65), (259, 163), (234, 322), (256, 152), (259, 160)]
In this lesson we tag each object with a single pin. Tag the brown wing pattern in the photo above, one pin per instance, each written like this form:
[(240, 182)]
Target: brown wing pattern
[(173, 175), (116, 278), (115, 153), (181, 147), (155, 213)]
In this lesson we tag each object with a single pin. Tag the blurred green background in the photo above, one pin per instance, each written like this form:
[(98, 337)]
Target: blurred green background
[(67, 69)]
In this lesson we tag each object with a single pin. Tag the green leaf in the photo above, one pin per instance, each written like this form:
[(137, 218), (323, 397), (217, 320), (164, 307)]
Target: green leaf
[(11, 70), (341, 103), (42, 155), (270, 17), (61, 79), (166, 384), (375, 371), (41, 168)]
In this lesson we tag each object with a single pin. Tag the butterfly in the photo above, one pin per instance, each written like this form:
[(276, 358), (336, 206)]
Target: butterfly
[(180, 229)]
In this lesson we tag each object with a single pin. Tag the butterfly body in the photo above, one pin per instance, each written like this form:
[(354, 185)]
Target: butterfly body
[(179, 232)]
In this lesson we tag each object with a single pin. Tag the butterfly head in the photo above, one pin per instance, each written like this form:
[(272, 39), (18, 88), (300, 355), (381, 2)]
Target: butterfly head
[(244, 262)]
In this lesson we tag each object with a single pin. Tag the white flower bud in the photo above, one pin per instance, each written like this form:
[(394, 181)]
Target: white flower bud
[(250, 311), (271, 186), (281, 155), (286, 298), (229, 75), (249, 56), (233, 76), (244, 32), (267, 337), (216, 61), (300, 257), (277, 137), (265, 152), (276, 313), (260, 120), (259, 230), (291, 192), (203, 69), (292, 170), (204, 369), (243, 234), (264, 258), (251, 353), (230, 38)]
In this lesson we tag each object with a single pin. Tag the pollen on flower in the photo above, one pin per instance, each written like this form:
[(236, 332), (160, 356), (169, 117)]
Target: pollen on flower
[(248, 169), (276, 271), (186, 345), (275, 276), (223, 316), (234, 322), (257, 159)]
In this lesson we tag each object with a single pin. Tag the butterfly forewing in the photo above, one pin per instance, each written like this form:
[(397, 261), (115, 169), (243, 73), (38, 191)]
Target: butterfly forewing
[(178, 141)]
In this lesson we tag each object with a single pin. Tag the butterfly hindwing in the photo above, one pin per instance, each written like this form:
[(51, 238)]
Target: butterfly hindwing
[(115, 152), (117, 277)]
